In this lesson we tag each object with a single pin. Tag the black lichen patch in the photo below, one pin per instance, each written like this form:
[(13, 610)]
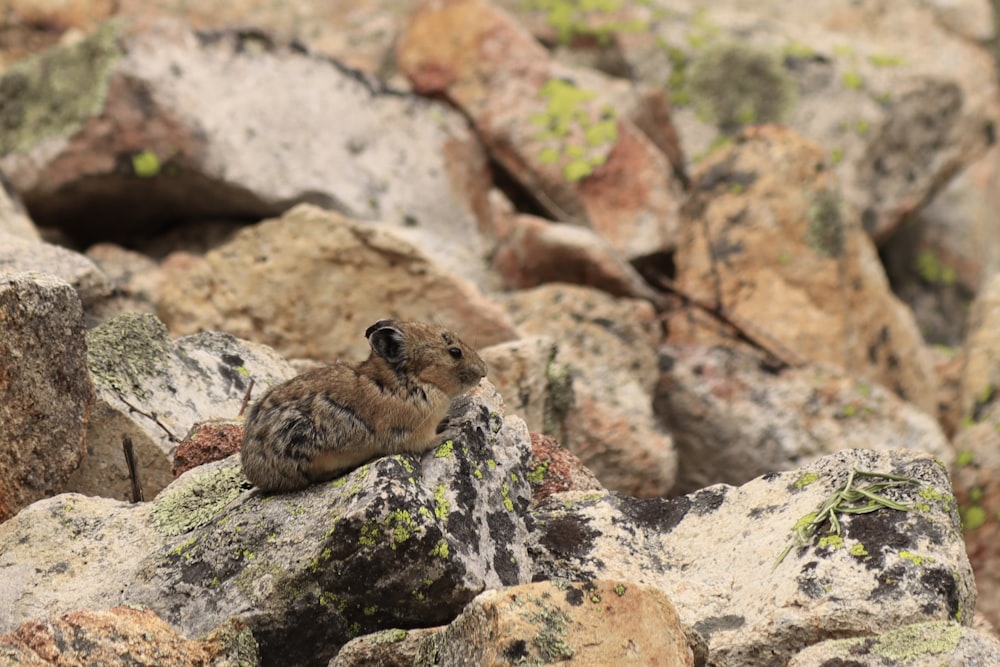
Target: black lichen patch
[(574, 596), (889, 584), (763, 510), (879, 531), (503, 532), (707, 627), (516, 652), (808, 583), (568, 535), (708, 500), (943, 583), (655, 513)]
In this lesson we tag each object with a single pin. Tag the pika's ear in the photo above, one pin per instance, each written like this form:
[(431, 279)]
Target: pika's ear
[(387, 341)]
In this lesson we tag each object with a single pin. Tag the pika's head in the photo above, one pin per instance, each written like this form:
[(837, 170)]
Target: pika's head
[(427, 353)]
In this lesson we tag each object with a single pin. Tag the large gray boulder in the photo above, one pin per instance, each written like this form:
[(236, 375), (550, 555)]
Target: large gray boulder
[(729, 560), (405, 541)]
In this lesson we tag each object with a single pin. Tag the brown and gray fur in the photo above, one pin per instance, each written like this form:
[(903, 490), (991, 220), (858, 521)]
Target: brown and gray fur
[(328, 420)]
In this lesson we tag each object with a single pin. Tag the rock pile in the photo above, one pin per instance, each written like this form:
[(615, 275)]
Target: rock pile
[(711, 434)]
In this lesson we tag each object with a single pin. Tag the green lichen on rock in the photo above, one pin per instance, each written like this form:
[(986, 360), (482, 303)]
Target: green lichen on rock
[(124, 353), (826, 233), (559, 395), (574, 132), (145, 164), (909, 643), (734, 84), (199, 501), (53, 93), (585, 18)]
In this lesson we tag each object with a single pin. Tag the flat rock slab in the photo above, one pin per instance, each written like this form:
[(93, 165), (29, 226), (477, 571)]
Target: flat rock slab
[(718, 554), (46, 395)]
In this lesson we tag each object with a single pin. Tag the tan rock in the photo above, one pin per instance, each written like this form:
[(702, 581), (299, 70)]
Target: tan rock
[(13, 218), (123, 636), (519, 370), (310, 282), (589, 624), (571, 137), (46, 395), (768, 240), (18, 255), (609, 346)]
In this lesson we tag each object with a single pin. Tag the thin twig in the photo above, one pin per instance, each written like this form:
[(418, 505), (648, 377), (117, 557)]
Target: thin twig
[(246, 398), (133, 469)]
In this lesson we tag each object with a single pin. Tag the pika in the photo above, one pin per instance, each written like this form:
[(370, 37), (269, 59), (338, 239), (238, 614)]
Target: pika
[(328, 420)]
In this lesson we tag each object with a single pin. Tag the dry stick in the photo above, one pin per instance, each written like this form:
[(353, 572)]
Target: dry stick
[(246, 398), (744, 331), (133, 469)]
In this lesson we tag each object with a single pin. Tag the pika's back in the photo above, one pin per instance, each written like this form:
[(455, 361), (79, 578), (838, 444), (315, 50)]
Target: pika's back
[(330, 419)]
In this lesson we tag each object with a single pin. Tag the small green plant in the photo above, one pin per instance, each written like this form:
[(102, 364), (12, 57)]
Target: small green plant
[(847, 499)]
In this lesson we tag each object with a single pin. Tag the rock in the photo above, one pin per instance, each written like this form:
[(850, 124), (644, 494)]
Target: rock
[(404, 541), (123, 636), (13, 218), (153, 390), (538, 251), (592, 623), (727, 559), (19, 255), (928, 644), (207, 441), (389, 648), (570, 137), (732, 419), (798, 270), (134, 279), (609, 346), (262, 285), (976, 473), (165, 125), (46, 395), (536, 386), (555, 469)]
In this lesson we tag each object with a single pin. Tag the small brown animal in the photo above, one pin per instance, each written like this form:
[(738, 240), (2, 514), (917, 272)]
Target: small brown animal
[(328, 420)]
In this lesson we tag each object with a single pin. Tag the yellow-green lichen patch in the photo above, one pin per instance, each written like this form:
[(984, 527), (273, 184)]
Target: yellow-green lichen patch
[(963, 458), (537, 474), (441, 505), (51, 95), (585, 18), (505, 494), (831, 541), (886, 60), (574, 132), (440, 549), (916, 559), (445, 450), (145, 164), (620, 590), (909, 643), (973, 517), (199, 501), (371, 533), (858, 551), (932, 270), (400, 526), (125, 352), (734, 84), (805, 480)]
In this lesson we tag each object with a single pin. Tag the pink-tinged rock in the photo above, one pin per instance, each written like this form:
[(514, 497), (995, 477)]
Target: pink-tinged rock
[(571, 137), (122, 637), (555, 469), (46, 395), (538, 251), (207, 441)]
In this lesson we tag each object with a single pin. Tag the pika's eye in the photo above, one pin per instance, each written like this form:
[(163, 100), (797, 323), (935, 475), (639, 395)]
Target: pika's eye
[(455, 352)]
